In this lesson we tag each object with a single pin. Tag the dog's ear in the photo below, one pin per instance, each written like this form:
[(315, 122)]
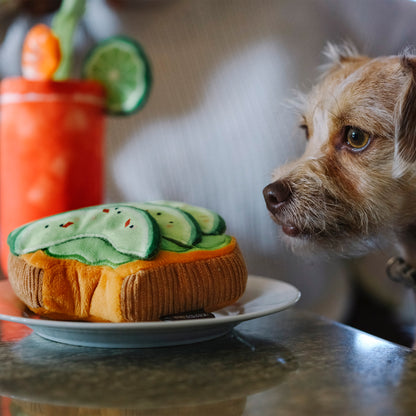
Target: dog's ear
[(405, 140), (338, 56), (340, 53)]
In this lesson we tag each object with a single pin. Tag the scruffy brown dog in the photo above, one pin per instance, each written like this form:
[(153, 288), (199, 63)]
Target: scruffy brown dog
[(355, 185)]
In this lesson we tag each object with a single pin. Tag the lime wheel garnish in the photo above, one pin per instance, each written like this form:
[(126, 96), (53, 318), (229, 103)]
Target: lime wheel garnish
[(121, 65)]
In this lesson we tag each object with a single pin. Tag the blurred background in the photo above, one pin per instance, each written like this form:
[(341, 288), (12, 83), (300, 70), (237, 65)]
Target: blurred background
[(218, 121)]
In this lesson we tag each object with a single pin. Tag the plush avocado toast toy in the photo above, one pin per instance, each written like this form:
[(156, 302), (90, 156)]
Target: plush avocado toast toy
[(126, 262)]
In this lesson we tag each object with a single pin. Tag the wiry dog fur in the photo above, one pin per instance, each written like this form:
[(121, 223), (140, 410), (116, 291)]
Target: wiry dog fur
[(345, 199)]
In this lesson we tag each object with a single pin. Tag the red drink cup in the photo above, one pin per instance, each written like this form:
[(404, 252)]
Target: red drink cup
[(51, 150)]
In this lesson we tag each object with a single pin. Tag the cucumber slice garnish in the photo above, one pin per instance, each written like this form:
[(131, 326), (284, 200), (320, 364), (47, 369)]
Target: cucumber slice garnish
[(174, 224), (120, 64), (127, 229), (209, 221)]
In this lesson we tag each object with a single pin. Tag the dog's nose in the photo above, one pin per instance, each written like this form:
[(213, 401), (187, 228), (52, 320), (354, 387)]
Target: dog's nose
[(276, 194)]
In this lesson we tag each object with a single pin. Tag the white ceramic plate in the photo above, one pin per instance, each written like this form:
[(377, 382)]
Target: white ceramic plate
[(262, 297)]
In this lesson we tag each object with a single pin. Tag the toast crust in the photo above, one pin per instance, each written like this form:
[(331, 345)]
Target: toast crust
[(136, 291)]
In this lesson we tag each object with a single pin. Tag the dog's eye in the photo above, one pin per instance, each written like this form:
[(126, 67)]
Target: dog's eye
[(356, 138)]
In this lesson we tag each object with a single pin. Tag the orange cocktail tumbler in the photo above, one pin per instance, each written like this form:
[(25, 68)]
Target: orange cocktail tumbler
[(51, 150)]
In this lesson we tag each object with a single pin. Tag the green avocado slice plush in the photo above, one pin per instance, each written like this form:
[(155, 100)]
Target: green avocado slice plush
[(209, 221), (127, 229), (115, 234), (174, 224), (90, 250), (208, 242)]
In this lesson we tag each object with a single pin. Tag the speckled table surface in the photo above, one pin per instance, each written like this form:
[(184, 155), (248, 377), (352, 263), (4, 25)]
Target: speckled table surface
[(289, 363)]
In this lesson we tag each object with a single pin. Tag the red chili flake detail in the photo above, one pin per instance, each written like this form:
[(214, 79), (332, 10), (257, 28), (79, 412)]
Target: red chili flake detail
[(67, 224), (106, 210), (126, 224)]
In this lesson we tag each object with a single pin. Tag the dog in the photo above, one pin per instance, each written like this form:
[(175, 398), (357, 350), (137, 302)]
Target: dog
[(355, 185)]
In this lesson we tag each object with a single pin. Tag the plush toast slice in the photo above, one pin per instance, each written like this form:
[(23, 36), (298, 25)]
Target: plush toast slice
[(68, 268)]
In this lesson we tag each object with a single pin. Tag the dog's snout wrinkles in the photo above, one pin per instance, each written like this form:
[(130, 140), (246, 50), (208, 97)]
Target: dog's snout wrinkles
[(276, 194)]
